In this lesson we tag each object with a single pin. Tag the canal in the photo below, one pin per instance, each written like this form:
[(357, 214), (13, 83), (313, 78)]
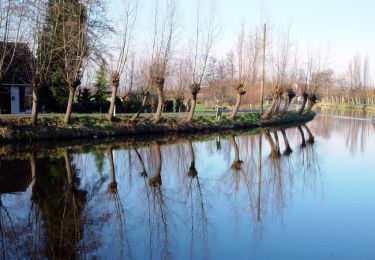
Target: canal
[(299, 192)]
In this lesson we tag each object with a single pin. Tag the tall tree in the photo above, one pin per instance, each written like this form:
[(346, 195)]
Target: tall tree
[(243, 75), (280, 65), (100, 84), (66, 21), (12, 17), (77, 28), (202, 45), (126, 32), (40, 64), (162, 47)]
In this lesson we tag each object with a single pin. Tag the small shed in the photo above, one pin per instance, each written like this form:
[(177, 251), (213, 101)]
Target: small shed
[(15, 78)]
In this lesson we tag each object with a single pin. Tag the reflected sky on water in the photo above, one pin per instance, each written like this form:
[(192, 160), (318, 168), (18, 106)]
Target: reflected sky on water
[(303, 192)]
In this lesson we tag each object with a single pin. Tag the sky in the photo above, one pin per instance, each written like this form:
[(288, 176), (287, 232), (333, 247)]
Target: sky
[(344, 27)]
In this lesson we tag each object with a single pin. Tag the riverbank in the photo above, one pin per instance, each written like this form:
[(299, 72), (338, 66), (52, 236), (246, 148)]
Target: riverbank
[(52, 128), (347, 106), (10, 151)]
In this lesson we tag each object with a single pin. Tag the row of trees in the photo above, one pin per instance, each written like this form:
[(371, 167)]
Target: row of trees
[(69, 37), (354, 87)]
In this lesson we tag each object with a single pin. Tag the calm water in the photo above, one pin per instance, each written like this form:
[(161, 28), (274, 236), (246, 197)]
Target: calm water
[(234, 196)]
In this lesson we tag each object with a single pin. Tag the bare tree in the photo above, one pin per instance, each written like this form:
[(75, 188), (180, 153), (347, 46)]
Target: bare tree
[(143, 85), (126, 32), (41, 49), (279, 68), (73, 47), (202, 47), (163, 43), (322, 77), (181, 81), (78, 31), (358, 73), (316, 76), (12, 19), (247, 54), (239, 84)]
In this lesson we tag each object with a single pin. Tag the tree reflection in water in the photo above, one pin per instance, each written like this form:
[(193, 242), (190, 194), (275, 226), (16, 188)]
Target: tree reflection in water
[(68, 219), (158, 217), (9, 242), (354, 124), (119, 211), (199, 228), (60, 205)]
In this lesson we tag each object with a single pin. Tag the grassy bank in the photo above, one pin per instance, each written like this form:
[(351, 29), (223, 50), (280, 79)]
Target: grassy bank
[(53, 128)]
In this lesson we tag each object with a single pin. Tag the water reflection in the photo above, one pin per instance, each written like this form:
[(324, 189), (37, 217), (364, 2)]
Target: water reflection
[(356, 125), (164, 199)]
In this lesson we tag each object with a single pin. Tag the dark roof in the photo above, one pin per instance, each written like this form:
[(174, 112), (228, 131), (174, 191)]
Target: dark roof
[(17, 70)]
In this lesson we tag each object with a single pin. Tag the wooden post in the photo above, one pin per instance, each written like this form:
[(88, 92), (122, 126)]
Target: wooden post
[(264, 68)]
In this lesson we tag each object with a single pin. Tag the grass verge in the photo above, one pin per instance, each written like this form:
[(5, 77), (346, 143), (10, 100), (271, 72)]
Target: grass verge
[(53, 128)]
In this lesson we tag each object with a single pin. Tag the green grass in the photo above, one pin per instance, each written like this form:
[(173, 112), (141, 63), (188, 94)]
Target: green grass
[(202, 108), (82, 126)]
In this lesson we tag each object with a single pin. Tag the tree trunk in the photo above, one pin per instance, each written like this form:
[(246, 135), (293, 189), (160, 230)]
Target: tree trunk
[(276, 141), (236, 107), (159, 109), (305, 95), (275, 153), (115, 82), (113, 103), (159, 84), (192, 108), (155, 180), (194, 88), (34, 110), (69, 106), (192, 173), (112, 186), (288, 150), (143, 168), (237, 163), (278, 104), (303, 140), (290, 95), (33, 168), (312, 101), (287, 104), (144, 99), (240, 92), (270, 111), (68, 167), (311, 138)]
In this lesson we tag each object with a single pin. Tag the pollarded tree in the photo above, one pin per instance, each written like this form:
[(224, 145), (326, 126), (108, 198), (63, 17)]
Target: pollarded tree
[(77, 29), (126, 33), (246, 61), (280, 63), (40, 43), (66, 25), (75, 49), (203, 41), (163, 43), (316, 77)]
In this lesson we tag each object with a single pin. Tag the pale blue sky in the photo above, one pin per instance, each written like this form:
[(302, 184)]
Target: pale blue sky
[(346, 27)]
